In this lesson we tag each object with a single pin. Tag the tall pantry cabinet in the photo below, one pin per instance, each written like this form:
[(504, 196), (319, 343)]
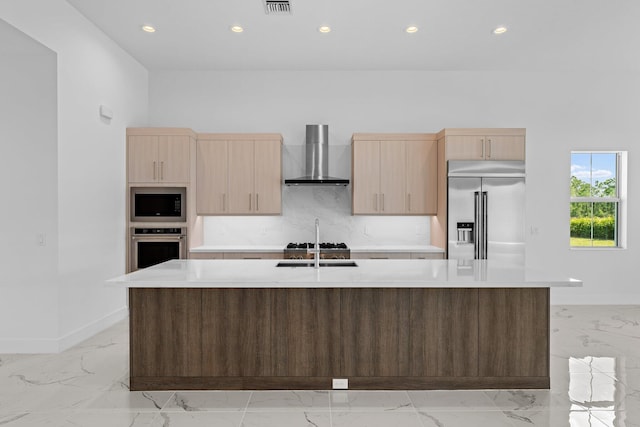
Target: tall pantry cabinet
[(484, 144), (163, 157)]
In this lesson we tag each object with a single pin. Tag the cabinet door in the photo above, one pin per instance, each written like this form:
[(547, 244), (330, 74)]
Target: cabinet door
[(212, 170), (392, 177), (366, 177), (142, 154), (422, 177), (464, 147), (504, 147), (173, 158), (241, 177), (268, 177)]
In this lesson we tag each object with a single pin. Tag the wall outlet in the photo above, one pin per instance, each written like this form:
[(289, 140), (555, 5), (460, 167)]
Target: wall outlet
[(340, 384)]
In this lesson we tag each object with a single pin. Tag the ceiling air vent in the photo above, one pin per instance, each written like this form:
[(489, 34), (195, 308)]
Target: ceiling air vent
[(277, 7)]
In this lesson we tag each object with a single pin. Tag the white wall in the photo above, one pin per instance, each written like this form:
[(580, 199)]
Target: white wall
[(562, 111), (28, 294), (91, 71)]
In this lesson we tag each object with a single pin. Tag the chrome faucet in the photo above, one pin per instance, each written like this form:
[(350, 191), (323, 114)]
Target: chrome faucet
[(316, 247)]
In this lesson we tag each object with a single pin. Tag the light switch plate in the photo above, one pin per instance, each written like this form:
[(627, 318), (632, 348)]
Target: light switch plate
[(340, 384)]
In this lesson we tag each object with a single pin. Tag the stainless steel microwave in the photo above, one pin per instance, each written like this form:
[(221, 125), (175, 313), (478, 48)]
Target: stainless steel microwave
[(158, 204)]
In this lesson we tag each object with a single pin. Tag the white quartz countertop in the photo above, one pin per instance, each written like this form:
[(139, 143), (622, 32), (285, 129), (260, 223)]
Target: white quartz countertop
[(368, 274), (238, 248), (280, 248), (397, 248)]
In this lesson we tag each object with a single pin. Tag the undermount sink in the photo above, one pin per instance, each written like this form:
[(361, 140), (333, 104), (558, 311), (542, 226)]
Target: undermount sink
[(322, 264)]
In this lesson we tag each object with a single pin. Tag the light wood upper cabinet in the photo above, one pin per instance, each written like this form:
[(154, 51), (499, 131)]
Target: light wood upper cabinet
[(485, 147), (212, 170), (158, 159), (268, 177), (392, 176), (241, 177), (366, 177), (422, 177), (238, 175)]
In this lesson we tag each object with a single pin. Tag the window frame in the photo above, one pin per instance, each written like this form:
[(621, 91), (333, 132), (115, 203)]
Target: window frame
[(619, 200)]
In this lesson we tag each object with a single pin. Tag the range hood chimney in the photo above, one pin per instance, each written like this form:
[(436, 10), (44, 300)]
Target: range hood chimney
[(317, 159)]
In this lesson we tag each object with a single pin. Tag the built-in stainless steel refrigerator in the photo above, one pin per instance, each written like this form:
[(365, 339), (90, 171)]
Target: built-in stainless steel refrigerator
[(486, 205)]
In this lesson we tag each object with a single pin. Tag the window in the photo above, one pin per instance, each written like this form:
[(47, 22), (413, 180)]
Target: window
[(595, 205)]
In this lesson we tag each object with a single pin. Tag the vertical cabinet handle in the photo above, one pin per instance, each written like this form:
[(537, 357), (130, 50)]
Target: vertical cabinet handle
[(161, 171), (488, 148), (375, 204), (482, 140), (224, 202), (477, 225), (257, 202), (409, 202), (249, 201), (154, 170), (382, 202)]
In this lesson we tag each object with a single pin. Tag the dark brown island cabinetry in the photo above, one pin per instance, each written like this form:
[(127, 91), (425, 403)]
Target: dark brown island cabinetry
[(377, 338)]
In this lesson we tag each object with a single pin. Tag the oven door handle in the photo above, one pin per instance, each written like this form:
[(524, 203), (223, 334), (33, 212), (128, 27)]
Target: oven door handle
[(158, 237)]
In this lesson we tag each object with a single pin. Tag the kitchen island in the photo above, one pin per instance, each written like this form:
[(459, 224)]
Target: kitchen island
[(385, 324)]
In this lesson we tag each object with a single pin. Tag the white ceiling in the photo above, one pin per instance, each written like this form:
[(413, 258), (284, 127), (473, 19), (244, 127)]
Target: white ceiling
[(369, 34)]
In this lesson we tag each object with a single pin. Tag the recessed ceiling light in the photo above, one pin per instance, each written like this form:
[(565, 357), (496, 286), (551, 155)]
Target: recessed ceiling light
[(324, 29), (412, 29), (237, 29), (500, 30), (148, 28)]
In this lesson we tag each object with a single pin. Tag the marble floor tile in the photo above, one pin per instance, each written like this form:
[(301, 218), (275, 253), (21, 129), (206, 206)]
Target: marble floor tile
[(452, 400), (123, 400), (376, 419), (192, 401), (595, 382), (281, 401), (197, 419), (80, 419), (464, 419), (287, 419), (386, 401), (105, 419), (555, 418)]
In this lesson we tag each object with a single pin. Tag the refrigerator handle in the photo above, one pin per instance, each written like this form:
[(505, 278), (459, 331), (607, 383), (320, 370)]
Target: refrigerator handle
[(476, 228), (485, 234)]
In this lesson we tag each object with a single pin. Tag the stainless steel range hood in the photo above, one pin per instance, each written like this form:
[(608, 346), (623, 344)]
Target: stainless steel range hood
[(317, 159)]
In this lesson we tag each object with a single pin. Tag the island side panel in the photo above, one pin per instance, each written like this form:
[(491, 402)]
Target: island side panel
[(305, 330), (236, 333), (164, 327), (514, 333), (443, 333), (374, 332)]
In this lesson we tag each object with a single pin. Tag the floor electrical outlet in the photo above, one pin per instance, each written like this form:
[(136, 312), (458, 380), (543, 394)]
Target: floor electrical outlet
[(340, 384)]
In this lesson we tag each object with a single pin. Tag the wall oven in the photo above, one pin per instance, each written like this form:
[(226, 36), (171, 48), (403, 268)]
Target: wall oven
[(151, 246), (158, 204)]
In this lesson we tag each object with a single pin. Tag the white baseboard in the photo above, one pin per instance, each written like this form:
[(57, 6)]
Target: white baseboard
[(81, 334), (35, 345)]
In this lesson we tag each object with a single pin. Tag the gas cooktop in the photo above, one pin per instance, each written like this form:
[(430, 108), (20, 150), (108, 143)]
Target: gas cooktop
[(327, 251), (342, 246)]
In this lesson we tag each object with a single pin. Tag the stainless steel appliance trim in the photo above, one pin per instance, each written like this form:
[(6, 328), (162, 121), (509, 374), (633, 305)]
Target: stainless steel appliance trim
[(182, 191), (485, 232), (141, 238), (486, 168), (476, 229)]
